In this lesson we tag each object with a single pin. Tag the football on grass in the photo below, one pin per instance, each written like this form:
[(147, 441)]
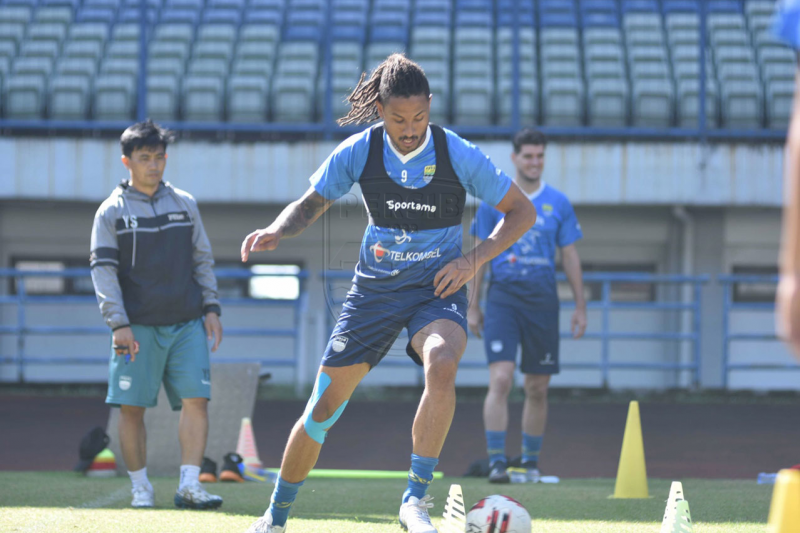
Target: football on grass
[(498, 514)]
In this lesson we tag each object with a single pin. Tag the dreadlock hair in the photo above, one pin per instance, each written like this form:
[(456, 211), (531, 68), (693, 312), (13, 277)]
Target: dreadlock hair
[(396, 76), (145, 134)]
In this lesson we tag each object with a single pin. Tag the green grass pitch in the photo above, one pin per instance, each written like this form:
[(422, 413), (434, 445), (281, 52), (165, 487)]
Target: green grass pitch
[(66, 502)]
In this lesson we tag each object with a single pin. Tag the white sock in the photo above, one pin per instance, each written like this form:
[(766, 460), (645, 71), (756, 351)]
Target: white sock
[(139, 478), (189, 476)]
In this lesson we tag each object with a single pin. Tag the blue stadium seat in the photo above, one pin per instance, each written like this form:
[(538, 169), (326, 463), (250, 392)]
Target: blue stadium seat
[(438, 5), (307, 5), (600, 20), (349, 26), (557, 6), (92, 14), (640, 6), (473, 5), (222, 16), (302, 33), (393, 6), (132, 15), (274, 5), (474, 18), (598, 6), (72, 4), (558, 20), (349, 33), (526, 19), (27, 3), (179, 16), (380, 34), (724, 6), (226, 4), (361, 6), (388, 18), (263, 16), (679, 6), (431, 18)]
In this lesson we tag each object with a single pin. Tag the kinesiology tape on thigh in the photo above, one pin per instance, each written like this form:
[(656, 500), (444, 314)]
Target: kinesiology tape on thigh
[(318, 430)]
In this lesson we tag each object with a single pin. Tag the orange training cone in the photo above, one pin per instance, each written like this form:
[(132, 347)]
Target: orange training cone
[(784, 513), (246, 447), (632, 472)]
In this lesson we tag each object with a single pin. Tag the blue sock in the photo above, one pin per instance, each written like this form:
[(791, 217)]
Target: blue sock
[(420, 476), (496, 446), (530, 450), (282, 498)]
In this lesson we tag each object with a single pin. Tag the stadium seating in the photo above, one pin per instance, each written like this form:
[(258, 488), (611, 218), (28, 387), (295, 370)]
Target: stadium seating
[(598, 63)]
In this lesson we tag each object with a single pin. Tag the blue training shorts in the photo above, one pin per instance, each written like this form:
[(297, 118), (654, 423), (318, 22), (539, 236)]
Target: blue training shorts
[(176, 355), (506, 326), (371, 321)]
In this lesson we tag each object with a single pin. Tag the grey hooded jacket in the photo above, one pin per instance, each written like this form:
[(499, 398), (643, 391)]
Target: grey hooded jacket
[(151, 260)]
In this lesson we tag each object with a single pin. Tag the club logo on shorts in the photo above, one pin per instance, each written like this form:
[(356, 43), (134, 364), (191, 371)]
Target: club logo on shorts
[(548, 360), (125, 382), (454, 309), (339, 343), (496, 346), (379, 251)]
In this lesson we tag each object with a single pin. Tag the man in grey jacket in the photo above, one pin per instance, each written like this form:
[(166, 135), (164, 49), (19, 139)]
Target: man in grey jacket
[(152, 272)]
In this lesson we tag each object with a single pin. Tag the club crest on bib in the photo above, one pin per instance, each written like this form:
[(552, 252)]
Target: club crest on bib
[(428, 173), (339, 343)]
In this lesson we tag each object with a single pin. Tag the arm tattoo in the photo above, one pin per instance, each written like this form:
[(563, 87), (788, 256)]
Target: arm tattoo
[(302, 213)]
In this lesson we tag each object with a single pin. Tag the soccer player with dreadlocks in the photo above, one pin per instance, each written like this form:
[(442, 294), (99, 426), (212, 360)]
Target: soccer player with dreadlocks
[(411, 273)]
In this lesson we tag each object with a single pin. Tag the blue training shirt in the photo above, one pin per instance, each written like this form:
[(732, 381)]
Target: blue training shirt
[(526, 272), (786, 25), (392, 259)]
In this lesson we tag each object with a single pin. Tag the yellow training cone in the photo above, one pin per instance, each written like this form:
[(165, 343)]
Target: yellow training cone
[(784, 513), (632, 473)]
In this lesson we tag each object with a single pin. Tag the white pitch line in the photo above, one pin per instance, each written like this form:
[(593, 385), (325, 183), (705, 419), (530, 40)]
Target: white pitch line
[(97, 503)]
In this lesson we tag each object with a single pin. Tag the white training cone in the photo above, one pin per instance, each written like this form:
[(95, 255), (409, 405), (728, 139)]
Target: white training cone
[(455, 516)]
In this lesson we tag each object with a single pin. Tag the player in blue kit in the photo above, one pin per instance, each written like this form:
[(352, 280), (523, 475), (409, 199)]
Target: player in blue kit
[(522, 308), (414, 177)]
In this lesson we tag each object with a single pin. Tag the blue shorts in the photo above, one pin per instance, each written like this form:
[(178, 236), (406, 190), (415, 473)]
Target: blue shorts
[(176, 355), (371, 321), (506, 326)]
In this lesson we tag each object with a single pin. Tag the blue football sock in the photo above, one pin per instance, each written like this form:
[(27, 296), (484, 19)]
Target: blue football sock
[(530, 450), (420, 476), (282, 498), (496, 446)]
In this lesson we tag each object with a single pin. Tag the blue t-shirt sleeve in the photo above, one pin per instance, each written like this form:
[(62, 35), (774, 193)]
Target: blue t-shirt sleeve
[(786, 24), (479, 176), (570, 229), (484, 222), (336, 176)]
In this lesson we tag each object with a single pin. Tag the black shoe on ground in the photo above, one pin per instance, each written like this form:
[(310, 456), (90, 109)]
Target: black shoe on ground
[(208, 471), (497, 473)]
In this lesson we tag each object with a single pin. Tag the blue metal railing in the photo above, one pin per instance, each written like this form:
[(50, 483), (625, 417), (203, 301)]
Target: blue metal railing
[(22, 330), (328, 128), (730, 306), (605, 335)]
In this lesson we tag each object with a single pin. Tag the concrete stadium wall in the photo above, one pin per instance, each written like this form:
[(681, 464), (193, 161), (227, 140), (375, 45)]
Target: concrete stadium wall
[(721, 238), (605, 173)]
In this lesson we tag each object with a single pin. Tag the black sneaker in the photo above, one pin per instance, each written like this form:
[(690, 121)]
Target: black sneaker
[(230, 468), (208, 471), (497, 473)]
